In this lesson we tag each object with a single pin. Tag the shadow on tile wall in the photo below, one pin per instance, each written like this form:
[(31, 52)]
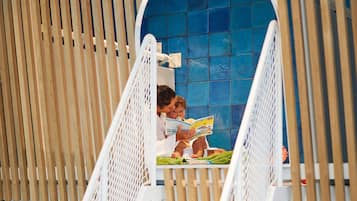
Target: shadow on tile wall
[(220, 42)]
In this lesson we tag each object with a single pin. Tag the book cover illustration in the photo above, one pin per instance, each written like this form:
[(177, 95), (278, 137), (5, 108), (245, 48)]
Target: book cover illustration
[(203, 126)]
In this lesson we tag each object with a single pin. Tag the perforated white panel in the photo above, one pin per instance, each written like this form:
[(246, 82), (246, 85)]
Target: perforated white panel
[(257, 159), (126, 162)]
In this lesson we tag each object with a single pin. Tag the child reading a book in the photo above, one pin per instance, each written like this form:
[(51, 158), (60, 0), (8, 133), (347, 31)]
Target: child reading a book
[(198, 145)]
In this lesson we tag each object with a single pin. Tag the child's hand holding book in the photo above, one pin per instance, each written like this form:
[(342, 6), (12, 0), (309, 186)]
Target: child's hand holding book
[(184, 134)]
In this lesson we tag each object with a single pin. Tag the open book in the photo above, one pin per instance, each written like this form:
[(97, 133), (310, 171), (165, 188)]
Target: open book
[(203, 126)]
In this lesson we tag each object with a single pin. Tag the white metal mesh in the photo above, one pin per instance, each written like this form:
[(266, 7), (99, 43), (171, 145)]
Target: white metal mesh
[(126, 163), (257, 159)]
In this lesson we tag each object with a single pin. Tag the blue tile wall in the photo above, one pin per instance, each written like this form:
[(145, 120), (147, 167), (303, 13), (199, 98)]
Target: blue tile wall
[(218, 3), (219, 93), (220, 68), (197, 22), (198, 69), (176, 25), (220, 42), (219, 19)]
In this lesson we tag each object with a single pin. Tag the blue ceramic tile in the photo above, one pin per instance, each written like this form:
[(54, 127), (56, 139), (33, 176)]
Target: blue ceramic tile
[(197, 112), (220, 68), (176, 25), (258, 39), (197, 94), (220, 139), (222, 116), (197, 22), (219, 44), (219, 19), (240, 17), (174, 6), (198, 46), (237, 115), (234, 135), (163, 43), (256, 59), (178, 44), (158, 26), (197, 4), (242, 66), (155, 7), (181, 73), (219, 93), (181, 89), (240, 91), (262, 13), (218, 3), (144, 29), (198, 69), (241, 41), (239, 2)]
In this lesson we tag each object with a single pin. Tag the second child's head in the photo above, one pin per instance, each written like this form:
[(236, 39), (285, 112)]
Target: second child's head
[(180, 109)]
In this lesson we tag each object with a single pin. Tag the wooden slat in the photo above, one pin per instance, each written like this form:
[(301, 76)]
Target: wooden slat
[(204, 186), (4, 186), (61, 108), (290, 98), (30, 110), (347, 87), (225, 172), (121, 39), (111, 53), (83, 104), (11, 105), (97, 121), (105, 97), (4, 160), (354, 27), (73, 107), (169, 185), (49, 94), (180, 184), (138, 2), (216, 185), (38, 93), (318, 98), (130, 24), (191, 185), (332, 87), (25, 105), (303, 100)]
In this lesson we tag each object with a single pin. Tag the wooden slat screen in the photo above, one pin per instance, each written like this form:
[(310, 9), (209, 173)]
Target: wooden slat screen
[(62, 72), (61, 79), (322, 41), (194, 183)]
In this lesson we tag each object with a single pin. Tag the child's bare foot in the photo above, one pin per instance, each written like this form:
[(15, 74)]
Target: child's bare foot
[(285, 154), (194, 156), (176, 155), (197, 154)]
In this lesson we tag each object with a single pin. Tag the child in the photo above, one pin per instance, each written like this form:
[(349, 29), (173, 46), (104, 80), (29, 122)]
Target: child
[(198, 145)]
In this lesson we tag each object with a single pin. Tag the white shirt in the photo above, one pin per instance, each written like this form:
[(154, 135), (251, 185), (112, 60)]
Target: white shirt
[(165, 145)]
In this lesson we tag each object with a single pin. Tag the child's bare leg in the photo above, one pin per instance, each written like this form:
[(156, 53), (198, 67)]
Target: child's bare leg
[(198, 147), (179, 149)]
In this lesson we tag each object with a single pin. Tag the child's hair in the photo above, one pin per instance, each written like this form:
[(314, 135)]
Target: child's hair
[(180, 101), (164, 95)]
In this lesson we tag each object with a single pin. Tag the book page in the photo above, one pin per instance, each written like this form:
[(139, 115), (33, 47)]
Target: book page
[(203, 126), (172, 125)]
